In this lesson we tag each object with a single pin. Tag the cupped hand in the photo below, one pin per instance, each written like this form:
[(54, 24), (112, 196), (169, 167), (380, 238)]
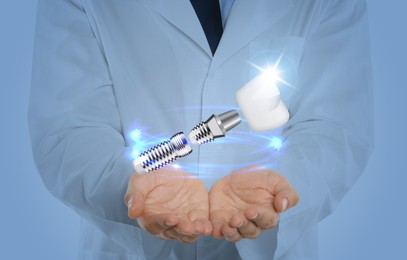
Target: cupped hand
[(247, 201), (169, 203)]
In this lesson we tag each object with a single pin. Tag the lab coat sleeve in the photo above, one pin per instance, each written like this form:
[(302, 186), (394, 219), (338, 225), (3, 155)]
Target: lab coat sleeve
[(75, 128), (329, 136)]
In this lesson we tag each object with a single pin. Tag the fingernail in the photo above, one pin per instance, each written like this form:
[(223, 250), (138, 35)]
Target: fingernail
[(285, 203), (254, 217), (129, 203), (243, 223)]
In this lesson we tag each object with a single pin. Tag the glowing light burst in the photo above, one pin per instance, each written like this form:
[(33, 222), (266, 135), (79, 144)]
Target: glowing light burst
[(142, 141), (272, 72), (272, 75), (276, 143), (138, 143), (135, 135)]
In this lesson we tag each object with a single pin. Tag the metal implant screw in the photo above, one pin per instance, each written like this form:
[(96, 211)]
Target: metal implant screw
[(162, 154), (216, 126), (177, 146)]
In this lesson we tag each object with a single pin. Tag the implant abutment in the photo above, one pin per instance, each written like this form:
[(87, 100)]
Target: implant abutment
[(216, 126)]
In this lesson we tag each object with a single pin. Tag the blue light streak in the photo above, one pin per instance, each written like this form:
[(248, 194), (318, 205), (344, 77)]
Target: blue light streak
[(255, 143)]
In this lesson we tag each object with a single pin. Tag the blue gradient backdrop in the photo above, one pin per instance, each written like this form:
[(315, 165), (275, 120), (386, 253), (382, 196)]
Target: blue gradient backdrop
[(370, 223)]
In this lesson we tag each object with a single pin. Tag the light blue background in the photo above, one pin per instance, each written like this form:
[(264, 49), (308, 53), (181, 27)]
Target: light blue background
[(370, 223)]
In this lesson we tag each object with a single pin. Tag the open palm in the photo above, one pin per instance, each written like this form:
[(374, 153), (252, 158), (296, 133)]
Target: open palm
[(170, 203), (247, 201)]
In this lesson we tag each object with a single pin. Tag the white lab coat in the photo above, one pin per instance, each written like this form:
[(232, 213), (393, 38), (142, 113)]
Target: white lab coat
[(102, 68)]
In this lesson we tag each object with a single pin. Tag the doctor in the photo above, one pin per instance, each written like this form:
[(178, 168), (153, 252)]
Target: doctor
[(102, 68)]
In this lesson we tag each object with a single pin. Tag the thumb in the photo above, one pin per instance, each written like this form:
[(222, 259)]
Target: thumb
[(135, 205), (285, 198)]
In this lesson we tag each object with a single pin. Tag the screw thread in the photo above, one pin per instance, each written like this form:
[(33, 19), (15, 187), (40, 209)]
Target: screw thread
[(201, 133), (180, 144), (162, 154)]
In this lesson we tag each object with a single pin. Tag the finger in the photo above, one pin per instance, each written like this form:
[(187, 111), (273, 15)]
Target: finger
[(246, 227), (238, 220), (251, 213), (199, 226), (285, 197), (135, 204), (207, 227), (172, 233), (231, 234), (179, 231), (217, 230), (158, 223), (264, 218), (217, 220), (186, 227), (249, 230)]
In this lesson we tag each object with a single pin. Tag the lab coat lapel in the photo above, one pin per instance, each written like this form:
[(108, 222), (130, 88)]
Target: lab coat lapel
[(246, 20), (181, 14)]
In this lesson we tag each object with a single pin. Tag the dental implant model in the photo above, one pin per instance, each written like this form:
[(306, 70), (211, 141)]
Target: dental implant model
[(166, 152)]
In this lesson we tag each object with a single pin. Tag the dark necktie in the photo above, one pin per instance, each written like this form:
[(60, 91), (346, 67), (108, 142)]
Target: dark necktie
[(208, 12)]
